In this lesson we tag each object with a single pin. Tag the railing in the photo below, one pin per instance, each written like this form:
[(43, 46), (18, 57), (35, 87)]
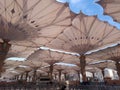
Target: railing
[(93, 87), (55, 86), (29, 86)]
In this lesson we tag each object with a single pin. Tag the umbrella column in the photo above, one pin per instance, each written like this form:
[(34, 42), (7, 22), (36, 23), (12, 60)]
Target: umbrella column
[(55, 76), (118, 68), (21, 77), (39, 76), (17, 77), (83, 64), (102, 69), (59, 75), (93, 74), (51, 67), (26, 76), (34, 75), (29, 78), (4, 48), (48, 73), (78, 72), (65, 75), (51, 71)]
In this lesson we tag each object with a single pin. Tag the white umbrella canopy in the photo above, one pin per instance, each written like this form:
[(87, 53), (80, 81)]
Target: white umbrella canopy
[(45, 69), (111, 8), (23, 68), (11, 63), (71, 59), (60, 67), (75, 68), (93, 69), (69, 70), (47, 56), (41, 72), (56, 68), (10, 74), (109, 53), (34, 64), (88, 68), (38, 73), (13, 32), (20, 51), (104, 64), (19, 71), (30, 21), (85, 34), (31, 73)]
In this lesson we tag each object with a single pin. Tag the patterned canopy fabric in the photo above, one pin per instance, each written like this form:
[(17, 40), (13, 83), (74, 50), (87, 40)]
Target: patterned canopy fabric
[(47, 56), (32, 22), (105, 64), (12, 63), (10, 74), (34, 64), (85, 34), (109, 53), (20, 51), (29, 24), (76, 61), (23, 68)]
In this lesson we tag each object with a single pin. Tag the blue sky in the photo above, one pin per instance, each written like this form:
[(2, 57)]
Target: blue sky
[(90, 8)]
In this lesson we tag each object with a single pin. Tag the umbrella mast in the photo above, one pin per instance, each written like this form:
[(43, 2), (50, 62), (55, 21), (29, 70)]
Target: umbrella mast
[(4, 48), (83, 64), (118, 68)]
